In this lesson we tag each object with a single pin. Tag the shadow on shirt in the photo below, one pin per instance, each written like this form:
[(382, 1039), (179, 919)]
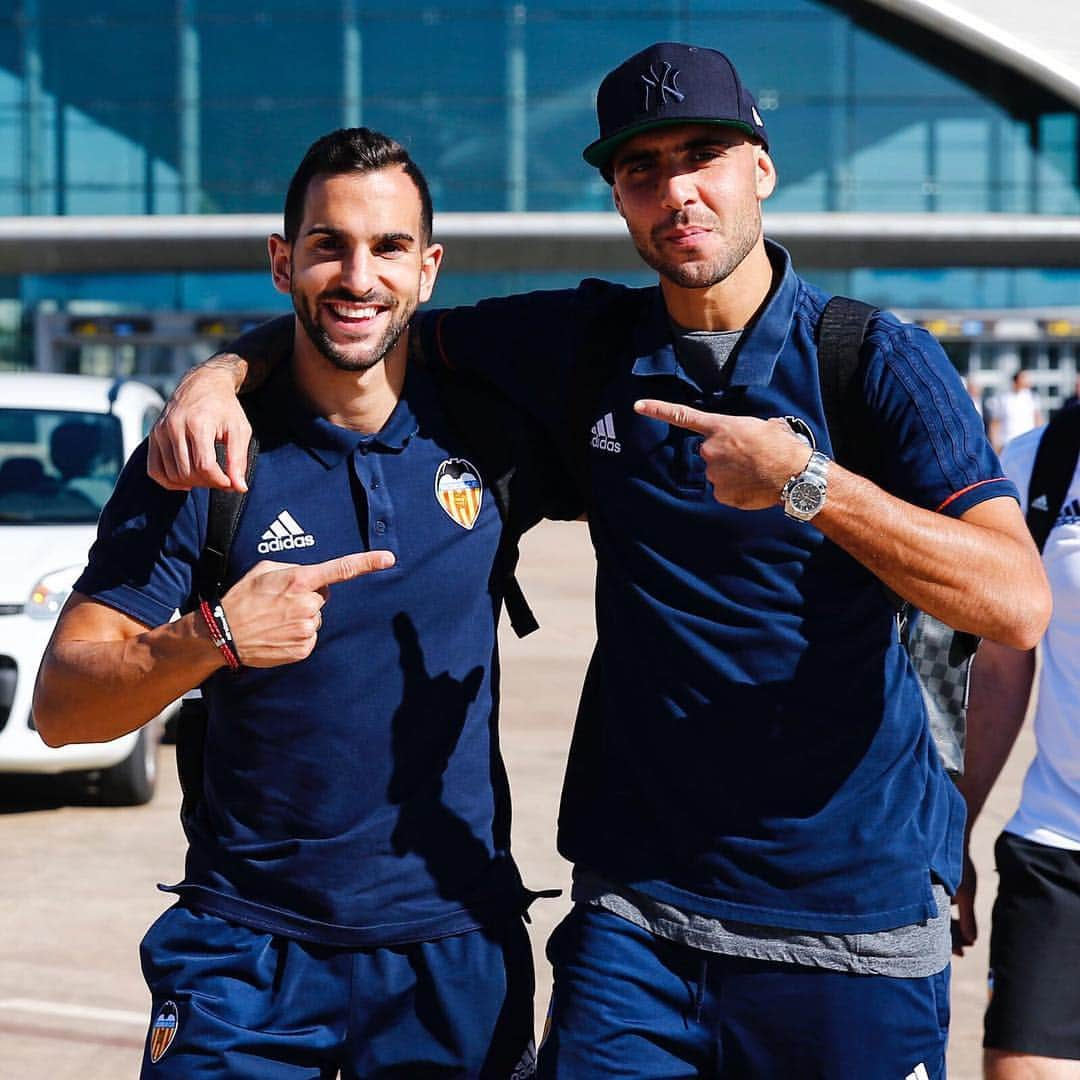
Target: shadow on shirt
[(427, 730)]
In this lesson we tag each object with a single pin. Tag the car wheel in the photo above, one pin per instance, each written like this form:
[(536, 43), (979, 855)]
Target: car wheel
[(131, 782)]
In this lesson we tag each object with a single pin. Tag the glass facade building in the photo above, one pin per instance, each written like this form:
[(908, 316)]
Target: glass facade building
[(193, 107)]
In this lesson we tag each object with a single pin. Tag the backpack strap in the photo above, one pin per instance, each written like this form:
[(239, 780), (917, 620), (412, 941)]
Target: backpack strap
[(1052, 473), (841, 333), (222, 519), (522, 620)]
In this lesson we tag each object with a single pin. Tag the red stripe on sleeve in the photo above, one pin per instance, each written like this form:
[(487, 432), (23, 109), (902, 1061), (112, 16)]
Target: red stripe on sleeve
[(971, 487)]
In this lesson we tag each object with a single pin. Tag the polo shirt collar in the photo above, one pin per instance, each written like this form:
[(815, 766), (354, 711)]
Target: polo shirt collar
[(758, 349), (330, 443)]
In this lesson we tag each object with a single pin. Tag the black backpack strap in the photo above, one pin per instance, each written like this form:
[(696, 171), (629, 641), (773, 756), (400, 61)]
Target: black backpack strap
[(522, 619), (222, 520), (1052, 473), (841, 333)]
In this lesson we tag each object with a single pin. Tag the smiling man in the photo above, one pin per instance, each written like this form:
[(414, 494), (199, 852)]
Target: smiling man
[(764, 838), (349, 904)]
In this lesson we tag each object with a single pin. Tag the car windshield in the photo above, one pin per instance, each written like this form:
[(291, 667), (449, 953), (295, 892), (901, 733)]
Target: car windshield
[(57, 467)]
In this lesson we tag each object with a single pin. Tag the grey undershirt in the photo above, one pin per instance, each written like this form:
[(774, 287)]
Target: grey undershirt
[(703, 354), (911, 952), (907, 952)]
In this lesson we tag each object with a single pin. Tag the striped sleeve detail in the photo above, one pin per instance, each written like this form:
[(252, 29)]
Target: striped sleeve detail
[(971, 487)]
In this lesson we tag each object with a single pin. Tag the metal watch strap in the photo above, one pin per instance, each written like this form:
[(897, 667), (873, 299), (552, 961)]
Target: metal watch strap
[(813, 482)]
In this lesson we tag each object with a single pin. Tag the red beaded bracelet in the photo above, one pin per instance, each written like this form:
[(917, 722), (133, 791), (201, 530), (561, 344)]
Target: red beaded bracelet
[(220, 632)]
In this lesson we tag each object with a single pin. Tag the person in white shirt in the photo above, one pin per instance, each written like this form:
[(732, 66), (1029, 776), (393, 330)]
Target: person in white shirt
[(1032, 1028), (1015, 412)]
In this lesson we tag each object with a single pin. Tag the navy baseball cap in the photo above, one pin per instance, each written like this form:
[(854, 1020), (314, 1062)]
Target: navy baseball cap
[(669, 83)]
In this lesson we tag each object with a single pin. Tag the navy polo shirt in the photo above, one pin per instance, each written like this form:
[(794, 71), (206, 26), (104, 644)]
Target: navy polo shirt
[(752, 742), (356, 797)]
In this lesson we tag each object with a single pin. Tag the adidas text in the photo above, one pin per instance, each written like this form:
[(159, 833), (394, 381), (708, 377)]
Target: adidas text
[(286, 543), (603, 435), (285, 534)]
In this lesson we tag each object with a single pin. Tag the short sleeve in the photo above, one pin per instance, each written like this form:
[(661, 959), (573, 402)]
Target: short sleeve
[(147, 548), (935, 451)]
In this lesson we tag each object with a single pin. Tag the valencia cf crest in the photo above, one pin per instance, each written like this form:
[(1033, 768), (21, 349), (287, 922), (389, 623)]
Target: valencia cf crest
[(459, 490), (163, 1030)]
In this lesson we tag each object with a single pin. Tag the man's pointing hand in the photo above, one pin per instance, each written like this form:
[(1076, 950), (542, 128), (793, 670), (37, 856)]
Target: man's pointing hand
[(747, 460), (334, 571), (275, 609)]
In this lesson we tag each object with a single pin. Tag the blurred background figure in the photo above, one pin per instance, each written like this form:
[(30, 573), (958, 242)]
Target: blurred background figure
[(1016, 411), (976, 395)]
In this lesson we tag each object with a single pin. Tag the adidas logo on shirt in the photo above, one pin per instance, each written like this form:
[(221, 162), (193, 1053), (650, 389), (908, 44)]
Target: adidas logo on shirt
[(603, 435), (918, 1073), (284, 534)]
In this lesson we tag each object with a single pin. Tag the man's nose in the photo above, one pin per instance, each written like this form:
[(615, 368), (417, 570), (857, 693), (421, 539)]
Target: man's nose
[(677, 189), (357, 271)]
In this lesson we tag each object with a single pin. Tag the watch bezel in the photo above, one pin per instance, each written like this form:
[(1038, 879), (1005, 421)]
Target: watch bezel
[(811, 486)]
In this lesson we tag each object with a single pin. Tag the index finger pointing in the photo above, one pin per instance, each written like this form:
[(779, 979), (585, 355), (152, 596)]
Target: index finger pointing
[(334, 571), (237, 441), (679, 415)]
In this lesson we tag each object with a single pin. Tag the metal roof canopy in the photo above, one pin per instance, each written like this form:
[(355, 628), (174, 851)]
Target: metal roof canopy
[(486, 242), (1042, 45)]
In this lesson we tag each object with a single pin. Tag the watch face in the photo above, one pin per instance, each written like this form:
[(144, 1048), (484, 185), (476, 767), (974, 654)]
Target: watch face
[(805, 498)]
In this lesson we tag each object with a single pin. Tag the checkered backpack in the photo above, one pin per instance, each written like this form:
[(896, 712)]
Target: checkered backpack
[(940, 655)]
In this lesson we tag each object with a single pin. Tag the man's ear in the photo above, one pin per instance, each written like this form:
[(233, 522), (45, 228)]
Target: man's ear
[(618, 202), (430, 261), (764, 173), (280, 251)]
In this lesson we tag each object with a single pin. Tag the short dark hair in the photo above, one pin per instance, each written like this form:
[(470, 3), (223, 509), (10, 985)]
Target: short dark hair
[(352, 150)]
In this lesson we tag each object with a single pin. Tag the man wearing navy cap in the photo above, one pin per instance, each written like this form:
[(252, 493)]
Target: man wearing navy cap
[(349, 905), (764, 838)]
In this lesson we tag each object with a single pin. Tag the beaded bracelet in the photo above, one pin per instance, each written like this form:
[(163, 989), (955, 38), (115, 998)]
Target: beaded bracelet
[(220, 632)]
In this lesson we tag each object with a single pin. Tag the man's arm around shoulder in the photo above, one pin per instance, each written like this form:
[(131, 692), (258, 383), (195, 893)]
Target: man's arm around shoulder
[(203, 411)]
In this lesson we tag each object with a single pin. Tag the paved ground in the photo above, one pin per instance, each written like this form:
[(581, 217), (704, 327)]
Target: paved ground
[(76, 882)]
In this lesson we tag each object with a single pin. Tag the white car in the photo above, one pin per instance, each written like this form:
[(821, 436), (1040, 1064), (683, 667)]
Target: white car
[(63, 441)]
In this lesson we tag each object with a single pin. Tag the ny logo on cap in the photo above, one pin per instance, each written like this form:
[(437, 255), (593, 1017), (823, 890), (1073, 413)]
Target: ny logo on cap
[(664, 85)]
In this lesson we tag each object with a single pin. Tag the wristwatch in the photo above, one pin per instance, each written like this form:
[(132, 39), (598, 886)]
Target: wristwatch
[(804, 495)]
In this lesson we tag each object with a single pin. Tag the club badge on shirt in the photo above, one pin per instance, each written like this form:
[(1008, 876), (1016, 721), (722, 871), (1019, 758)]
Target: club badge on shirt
[(460, 491), (163, 1030)]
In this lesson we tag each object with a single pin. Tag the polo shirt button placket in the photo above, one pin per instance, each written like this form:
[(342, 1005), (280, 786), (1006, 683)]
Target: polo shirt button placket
[(378, 502)]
